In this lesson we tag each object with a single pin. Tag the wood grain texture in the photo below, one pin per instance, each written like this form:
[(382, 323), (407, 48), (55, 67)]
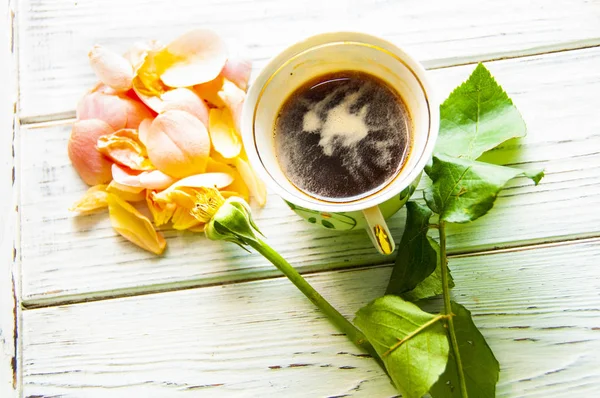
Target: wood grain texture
[(74, 258), (8, 213), (55, 35), (539, 310)]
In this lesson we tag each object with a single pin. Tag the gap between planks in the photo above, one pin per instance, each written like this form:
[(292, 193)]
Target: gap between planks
[(272, 274), (62, 118)]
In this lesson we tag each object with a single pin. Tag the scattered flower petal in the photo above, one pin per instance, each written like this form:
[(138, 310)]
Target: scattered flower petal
[(123, 147), (178, 144), (148, 75), (233, 98), (124, 188), (92, 166), (137, 53), (183, 197), (93, 199), (255, 185), (167, 159), (193, 58), (143, 130), (237, 70), (108, 108), (154, 179), (134, 226), (125, 176), (126, 193), (210, 91), (111, 68), (183, 219), (198, 228), (184, 99), (136, 112), (222, 132), (205, 180), (161, 211), (237, 186), (119, 111)]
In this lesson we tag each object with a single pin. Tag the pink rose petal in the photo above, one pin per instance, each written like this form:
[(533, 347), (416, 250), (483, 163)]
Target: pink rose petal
[(92, 166)]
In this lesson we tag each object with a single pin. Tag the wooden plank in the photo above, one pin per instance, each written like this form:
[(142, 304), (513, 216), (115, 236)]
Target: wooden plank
[(539, 310), (74, 258), (8, 212), (56, 35)]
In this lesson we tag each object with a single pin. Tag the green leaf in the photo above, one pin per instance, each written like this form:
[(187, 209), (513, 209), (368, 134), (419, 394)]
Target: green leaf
[(415, 364), (480, 367), (417, 257), (464, 190), (477, 116), (431, 286), (535, 175)]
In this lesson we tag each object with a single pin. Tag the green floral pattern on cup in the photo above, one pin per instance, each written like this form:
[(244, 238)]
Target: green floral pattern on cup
[(347, 221)]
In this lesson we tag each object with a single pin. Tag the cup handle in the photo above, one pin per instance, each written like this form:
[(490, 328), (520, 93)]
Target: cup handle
[(378, 231)]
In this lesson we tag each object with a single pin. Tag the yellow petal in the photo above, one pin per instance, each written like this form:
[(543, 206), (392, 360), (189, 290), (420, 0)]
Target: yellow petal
[(229, 194), (198, 228), (137, 53), (195, 57), (183, 219), (111, 68), (217, 157), (178, 144), (134, 226), (146, 82), (149, 96), (148, 75), (94, 198), (206, 180), (223, 136), (126, 193), (123, 147), (237, 187), (233, 98), (161, 211), (255, 185), (183, 197), (209, 91)]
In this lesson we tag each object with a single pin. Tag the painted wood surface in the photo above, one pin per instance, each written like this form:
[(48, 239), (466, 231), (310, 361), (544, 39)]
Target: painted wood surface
[(55, 35), (8, 211), (73, 258), (539, 309)]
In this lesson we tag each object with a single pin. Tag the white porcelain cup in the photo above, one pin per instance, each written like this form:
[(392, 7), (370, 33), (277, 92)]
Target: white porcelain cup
[(321, 55)]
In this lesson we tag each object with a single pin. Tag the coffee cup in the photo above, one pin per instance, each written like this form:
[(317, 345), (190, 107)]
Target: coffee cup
[(325, 54)]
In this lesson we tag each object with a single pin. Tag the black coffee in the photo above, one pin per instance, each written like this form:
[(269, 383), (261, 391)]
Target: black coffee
[(342, 136)]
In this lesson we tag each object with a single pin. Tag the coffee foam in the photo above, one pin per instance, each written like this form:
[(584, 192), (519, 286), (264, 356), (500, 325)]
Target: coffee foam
[(348, 142)]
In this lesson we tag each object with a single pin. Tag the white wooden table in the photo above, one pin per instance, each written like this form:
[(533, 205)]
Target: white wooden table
[(96, 317)]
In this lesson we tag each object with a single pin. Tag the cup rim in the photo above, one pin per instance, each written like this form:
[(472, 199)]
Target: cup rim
[(278, 62)]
